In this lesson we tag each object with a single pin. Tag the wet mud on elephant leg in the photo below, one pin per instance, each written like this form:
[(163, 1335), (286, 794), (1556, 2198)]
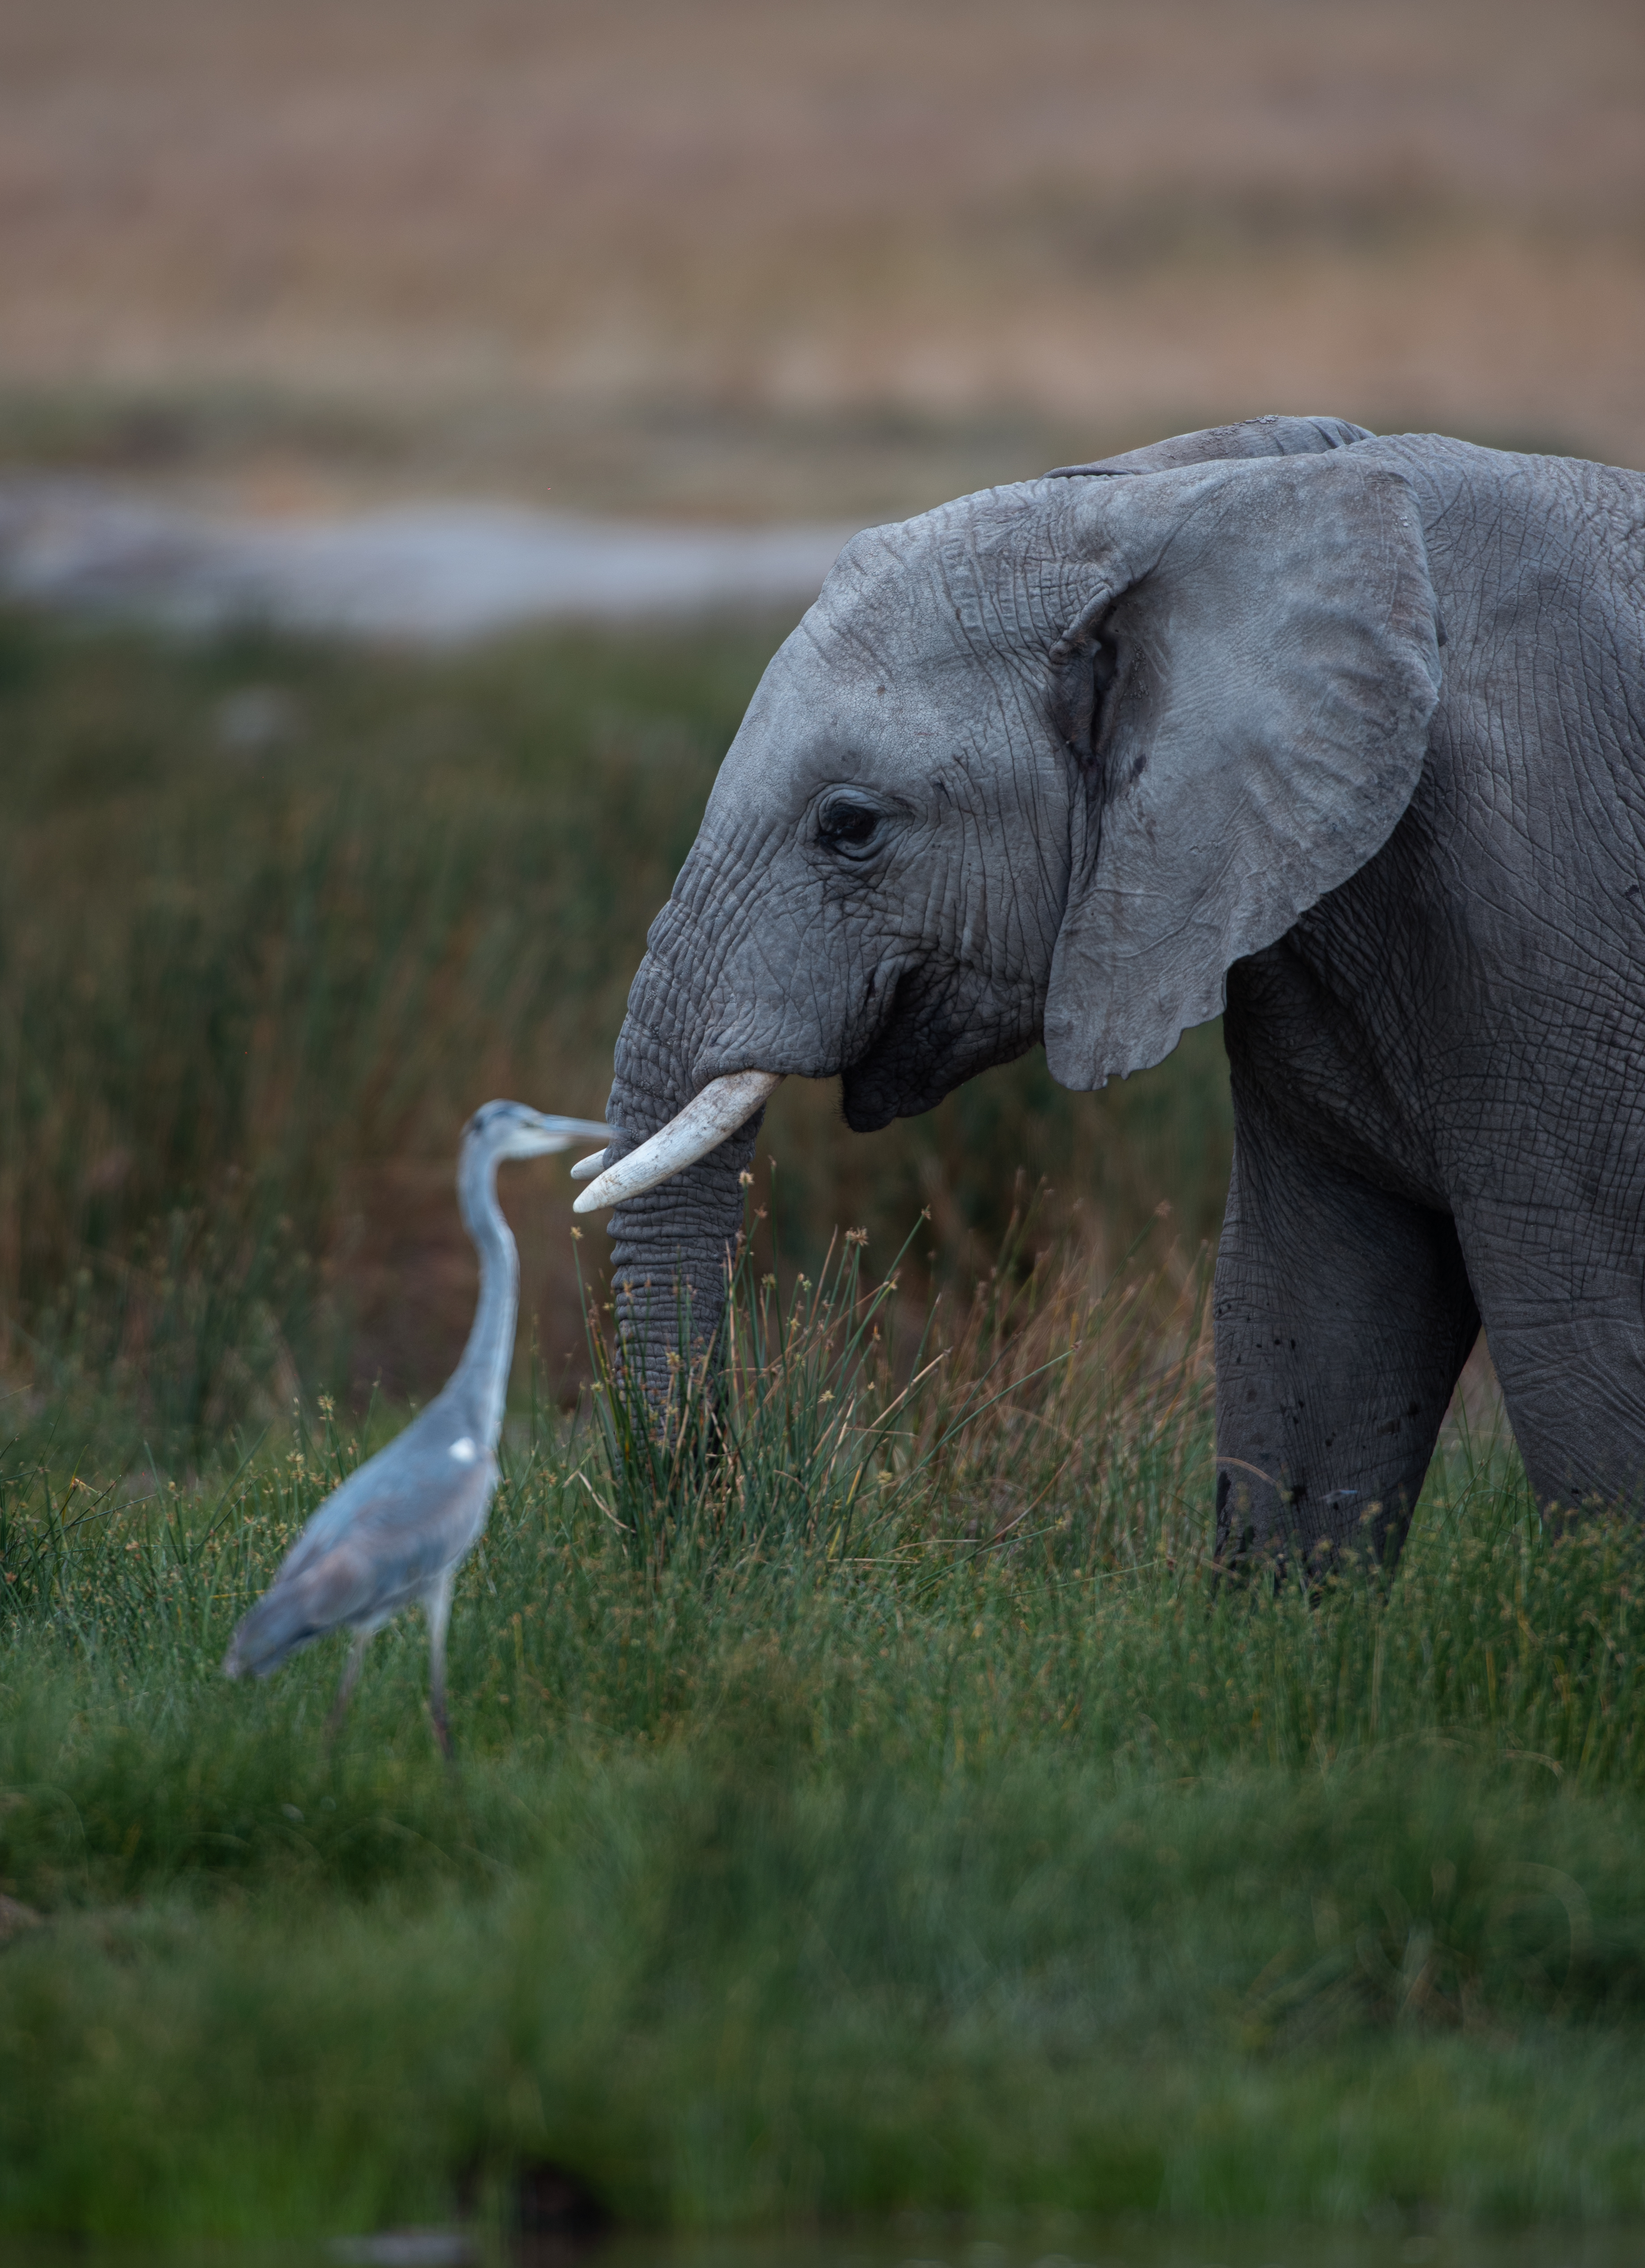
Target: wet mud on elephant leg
[(1344, 1315)]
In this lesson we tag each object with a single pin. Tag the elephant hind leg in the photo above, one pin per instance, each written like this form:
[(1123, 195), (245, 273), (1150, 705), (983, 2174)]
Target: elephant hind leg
[(1564, 1315), (1344, 1315)]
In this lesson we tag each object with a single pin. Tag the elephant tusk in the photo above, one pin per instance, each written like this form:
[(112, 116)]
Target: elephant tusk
[(585, 1166), (723, 1106)]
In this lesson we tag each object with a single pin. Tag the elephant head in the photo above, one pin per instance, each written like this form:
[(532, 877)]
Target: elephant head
[(1038, 764)]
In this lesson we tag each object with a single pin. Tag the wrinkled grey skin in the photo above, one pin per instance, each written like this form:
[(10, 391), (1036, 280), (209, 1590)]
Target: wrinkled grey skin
[(1346, 729)]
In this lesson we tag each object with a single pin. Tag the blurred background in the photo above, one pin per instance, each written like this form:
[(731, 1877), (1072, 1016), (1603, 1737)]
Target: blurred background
[(279, 910), (751, 257)]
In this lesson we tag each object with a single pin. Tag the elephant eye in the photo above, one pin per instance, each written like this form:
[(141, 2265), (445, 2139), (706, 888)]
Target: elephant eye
[(843, 825)]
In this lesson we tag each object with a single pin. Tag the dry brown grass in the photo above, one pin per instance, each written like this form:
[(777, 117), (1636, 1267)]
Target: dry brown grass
[(1110, 219)]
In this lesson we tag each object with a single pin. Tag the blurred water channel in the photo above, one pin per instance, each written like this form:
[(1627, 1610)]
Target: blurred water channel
[(435, 573)]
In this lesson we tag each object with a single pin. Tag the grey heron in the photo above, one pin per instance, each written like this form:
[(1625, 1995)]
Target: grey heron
[(398, 1529)]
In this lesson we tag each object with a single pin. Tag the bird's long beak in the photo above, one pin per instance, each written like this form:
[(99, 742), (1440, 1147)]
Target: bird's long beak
[(562, 1132), (723, 1106)]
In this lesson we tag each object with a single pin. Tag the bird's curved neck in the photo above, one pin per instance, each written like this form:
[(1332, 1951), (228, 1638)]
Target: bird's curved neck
[(481, 1379)]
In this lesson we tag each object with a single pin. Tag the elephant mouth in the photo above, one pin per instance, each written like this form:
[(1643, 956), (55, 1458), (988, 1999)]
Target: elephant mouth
[(942, 1025), (880, 1084)]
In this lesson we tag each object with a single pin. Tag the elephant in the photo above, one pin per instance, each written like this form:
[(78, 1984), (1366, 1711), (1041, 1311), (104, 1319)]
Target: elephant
[(1337, 735)]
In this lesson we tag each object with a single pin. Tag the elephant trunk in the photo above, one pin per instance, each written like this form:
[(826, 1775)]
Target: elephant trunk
[(672, 1236)]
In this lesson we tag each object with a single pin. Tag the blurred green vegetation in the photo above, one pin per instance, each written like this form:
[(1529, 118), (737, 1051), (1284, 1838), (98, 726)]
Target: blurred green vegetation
[(868, 1798), (275, 917), (981, 1852)]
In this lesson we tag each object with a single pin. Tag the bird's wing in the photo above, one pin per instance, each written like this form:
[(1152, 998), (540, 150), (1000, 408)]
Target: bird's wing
[(374, 1545)]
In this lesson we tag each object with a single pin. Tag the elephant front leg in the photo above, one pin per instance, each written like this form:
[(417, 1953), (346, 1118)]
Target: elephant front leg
[(1343, 1317)]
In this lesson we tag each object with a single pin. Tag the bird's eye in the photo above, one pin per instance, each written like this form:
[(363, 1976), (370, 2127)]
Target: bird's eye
[(845, 825)]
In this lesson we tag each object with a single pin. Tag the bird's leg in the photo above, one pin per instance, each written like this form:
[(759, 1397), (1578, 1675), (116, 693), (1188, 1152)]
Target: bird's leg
[(437, 1606), (351, 1679)]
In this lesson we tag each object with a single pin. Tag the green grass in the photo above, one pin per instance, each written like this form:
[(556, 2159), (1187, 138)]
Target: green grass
[(868, 1799), (795, 1870)]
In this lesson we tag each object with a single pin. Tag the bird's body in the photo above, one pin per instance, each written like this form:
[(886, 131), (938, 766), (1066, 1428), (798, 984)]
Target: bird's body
[(396, 1533)]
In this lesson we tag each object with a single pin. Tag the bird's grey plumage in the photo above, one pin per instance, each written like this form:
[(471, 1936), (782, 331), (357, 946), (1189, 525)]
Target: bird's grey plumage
[(397, 1530)]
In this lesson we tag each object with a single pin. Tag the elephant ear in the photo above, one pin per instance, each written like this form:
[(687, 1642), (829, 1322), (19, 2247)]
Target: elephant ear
[(1245, 693), (1252, 436)]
